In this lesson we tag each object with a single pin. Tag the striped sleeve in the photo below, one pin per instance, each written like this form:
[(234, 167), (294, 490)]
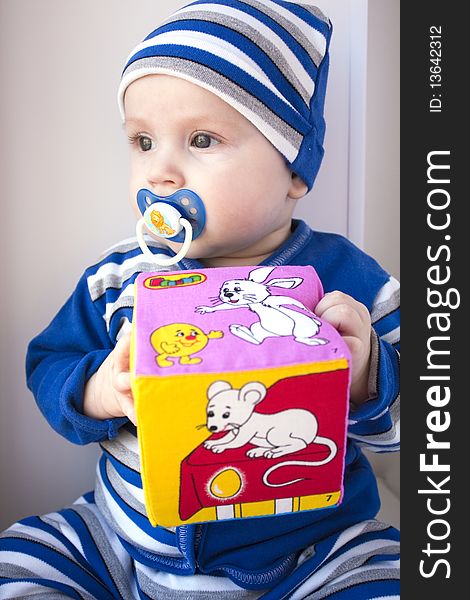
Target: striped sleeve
[(375, 425), (60, 361), (62, 358)]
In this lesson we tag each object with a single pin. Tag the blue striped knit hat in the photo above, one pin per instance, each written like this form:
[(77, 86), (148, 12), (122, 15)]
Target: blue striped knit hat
[(268, 59)]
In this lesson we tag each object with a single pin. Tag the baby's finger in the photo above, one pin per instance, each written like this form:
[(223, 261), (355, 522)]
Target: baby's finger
[(356, 348), (338, 298), (122, 352), (122, 382), (345, 319), (127, 407)]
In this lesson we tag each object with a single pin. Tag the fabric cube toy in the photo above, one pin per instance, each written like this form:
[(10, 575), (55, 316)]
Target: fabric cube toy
[(241, 394)]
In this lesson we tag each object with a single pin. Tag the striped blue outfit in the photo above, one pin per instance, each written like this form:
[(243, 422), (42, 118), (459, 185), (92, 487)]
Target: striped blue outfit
[(103, 546)]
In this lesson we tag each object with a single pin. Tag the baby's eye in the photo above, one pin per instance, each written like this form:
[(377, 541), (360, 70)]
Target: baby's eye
[(145, 143), (180, 334), (238, 289), (210, 413), (226, 415), (203, 140)]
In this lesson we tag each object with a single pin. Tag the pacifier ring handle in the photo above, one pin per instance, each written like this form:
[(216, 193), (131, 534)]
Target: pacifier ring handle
[(167, 261)]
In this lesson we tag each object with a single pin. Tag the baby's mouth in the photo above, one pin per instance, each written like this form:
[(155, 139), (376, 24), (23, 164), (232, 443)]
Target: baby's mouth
[(233, 301)]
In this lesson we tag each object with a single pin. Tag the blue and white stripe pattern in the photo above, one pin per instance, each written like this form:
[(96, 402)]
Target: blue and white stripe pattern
[(105, 547), (380, 432), (268, 59), (74, 554)]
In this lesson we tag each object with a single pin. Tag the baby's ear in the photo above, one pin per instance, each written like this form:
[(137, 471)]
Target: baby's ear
[(298, 188)]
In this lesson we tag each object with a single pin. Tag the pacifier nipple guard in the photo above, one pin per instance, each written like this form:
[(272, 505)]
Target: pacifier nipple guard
[(179, 217)]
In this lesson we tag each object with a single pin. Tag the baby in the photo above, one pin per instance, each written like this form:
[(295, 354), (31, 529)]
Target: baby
[(225, 99)]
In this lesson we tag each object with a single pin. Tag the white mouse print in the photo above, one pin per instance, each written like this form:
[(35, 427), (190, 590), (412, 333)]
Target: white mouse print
[(275, 318), (274, 435)]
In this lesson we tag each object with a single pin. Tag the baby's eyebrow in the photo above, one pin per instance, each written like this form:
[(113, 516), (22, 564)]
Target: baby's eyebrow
[(211, 120), (194, 120), (196, 114), (134, 122)]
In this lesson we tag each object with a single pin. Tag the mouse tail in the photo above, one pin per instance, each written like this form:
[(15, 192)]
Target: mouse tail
[(284, 464), (302, 463)]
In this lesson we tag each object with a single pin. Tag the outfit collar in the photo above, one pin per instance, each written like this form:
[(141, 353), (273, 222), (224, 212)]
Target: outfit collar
[(284, 255)]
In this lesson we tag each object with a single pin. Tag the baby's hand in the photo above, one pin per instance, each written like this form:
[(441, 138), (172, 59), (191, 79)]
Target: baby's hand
[(108, 392), (352, 320)]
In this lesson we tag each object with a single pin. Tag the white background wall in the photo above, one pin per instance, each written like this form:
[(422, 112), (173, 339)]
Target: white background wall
[(64, 186)]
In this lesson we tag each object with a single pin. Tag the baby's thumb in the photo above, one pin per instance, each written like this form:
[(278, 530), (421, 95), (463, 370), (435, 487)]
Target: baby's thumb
[(127, 407), (122, 352), (122, 382)]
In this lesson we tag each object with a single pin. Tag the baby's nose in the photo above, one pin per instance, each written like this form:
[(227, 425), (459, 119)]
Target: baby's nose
[(213, 428), (190, 337), (229, 294), (164, 172)]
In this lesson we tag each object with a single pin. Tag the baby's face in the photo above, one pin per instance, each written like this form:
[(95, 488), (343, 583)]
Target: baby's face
[(183, 136)]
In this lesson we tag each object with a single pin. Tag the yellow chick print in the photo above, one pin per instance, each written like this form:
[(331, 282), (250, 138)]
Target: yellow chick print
[(180, 341)]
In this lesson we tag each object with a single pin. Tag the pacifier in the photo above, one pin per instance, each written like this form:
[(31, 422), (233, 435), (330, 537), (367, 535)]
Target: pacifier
[(179, 217)]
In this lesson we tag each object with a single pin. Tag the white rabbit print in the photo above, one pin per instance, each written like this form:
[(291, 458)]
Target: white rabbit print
[(275, 318)]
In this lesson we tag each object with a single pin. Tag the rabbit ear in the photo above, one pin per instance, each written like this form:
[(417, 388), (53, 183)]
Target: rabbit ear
[(290, 283), (261, 274)]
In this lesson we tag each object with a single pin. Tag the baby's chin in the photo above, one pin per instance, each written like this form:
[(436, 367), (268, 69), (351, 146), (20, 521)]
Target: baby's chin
[(196, 250), (199, 249), (218, 255)]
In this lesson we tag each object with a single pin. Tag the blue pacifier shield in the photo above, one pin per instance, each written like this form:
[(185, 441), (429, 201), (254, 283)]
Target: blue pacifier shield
[(186, 202)]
